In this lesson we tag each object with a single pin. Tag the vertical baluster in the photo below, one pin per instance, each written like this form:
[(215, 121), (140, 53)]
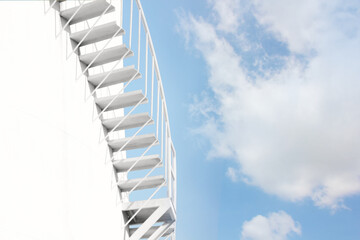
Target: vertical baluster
[(169, 162), (158, 110), (139, 39), (152, 87), (131, 17), (163, 141), (121, 13), (146, 83), (146, 58), (162, 132), (175, 186)]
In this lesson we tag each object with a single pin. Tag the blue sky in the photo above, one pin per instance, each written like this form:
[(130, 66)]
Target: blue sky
[(264, 107), (263, 99)]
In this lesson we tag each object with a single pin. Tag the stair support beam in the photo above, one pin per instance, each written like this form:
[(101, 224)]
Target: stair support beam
[(160, 231), (158, 213)]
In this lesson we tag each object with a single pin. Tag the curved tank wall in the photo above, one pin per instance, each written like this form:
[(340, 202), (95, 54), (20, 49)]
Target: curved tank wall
[(53, 179)]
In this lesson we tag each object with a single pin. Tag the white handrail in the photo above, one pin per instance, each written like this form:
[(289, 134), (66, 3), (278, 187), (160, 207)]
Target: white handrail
[(70, 19), (122, 120), (51, 6), (151, 45), (133, 136), (146, 202), (90, 30), (170, 235), (107, 75), (143, 179), (98, 55), (119, 93), (139, 159), (147, 149)]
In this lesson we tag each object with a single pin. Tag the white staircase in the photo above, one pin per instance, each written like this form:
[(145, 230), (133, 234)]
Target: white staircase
[(130, 104)]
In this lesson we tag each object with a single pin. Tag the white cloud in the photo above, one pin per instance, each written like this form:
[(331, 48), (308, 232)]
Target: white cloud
[(227, 13), (306, 25), (295, 131), (277, 226), (232, 174)]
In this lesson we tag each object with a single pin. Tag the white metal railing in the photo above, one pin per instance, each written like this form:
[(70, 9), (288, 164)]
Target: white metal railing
[(90, 30), (168, 153), (171, 161), (153, 84), (70, 19)]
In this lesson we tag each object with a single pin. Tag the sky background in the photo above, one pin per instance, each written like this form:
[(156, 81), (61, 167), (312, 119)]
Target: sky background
[(263, 99), (264, 104)]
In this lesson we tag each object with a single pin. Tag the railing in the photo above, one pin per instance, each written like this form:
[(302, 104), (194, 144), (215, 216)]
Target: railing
[(147, 65), (168, 153)]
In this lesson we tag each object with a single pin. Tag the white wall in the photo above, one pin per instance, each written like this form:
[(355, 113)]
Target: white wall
[(53, 180)]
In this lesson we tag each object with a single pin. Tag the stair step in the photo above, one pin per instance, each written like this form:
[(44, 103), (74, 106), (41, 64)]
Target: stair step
[(151, 231), (149, 182), (123, 100), (147, 208), (120, 75), (107, 56), (141, 141), (132, 121), (97, 34), (147, 162), (87, 11)]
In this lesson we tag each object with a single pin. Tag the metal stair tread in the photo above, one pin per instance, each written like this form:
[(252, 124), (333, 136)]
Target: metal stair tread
[(108, 55), (146, 162), (120, 75), (131, 121), (123, 100), (153, 203), (152, 230), (149, 182), (97, 34), (148, 208), (87, 11), (136, 142)]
